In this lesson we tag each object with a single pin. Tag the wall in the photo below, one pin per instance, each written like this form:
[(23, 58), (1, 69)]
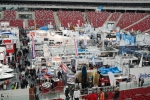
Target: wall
[(19, 94), (141, 70)]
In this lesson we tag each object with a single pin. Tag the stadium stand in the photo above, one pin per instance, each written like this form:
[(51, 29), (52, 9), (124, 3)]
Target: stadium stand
[(9, 14), (97, 18), (135, 94), (148, 32), (142, 25), (131, 94), (31, 23), (70, 17), (44, 14), (129, 18), (14, 23), (40, 23), (114, 16)]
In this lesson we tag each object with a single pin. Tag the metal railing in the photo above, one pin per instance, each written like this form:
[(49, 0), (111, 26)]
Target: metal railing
[(52, 93)]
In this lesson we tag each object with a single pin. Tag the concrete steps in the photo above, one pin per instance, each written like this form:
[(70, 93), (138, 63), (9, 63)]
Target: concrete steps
[(118, 19), (85, 18), (57, 22), (146, 31)]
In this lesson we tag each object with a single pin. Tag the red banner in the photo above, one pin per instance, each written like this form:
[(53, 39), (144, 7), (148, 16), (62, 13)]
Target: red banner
[(9, 46), (64, 68), (7, 41)]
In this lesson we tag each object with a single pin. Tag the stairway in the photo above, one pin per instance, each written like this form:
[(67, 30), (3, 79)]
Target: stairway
[(33, 16), (2, 15), (137, 21), (107, 19), (26, 22), (118, 19), (57, 22), (146, 31), (85, 18)]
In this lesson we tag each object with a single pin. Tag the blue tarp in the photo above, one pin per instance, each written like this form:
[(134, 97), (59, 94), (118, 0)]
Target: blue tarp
[(44, 28), (118, 36), (106, 70)]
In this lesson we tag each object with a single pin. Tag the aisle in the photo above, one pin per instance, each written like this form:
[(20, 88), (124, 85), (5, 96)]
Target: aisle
[(17, 72)]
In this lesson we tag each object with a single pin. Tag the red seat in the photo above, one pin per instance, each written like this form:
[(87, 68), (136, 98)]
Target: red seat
[(130, 18), (9, 14), (44, 14), (97, 19), (142, 25), (40, 23), (114, 16), (71, 18)]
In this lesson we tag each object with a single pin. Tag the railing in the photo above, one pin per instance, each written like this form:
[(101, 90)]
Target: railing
[(52, 93), (133, 85), (49, 95), (58, 92)]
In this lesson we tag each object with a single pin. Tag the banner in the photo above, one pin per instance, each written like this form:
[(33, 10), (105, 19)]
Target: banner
[(93, 59), (33, 48), (118, 36), (10, 48), (112, 79), (24, 26), (7, 41), (64, 67), (75, 45)]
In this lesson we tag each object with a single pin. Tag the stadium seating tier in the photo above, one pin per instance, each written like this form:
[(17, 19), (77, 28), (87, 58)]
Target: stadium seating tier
[(9, 14), (97, 19), (40, 23), (44, 14), (15, 23), (114, 16), (142, 25), (130, 18), (70, 18)]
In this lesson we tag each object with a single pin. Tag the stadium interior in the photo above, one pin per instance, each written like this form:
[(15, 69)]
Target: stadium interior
[(121, 13)]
